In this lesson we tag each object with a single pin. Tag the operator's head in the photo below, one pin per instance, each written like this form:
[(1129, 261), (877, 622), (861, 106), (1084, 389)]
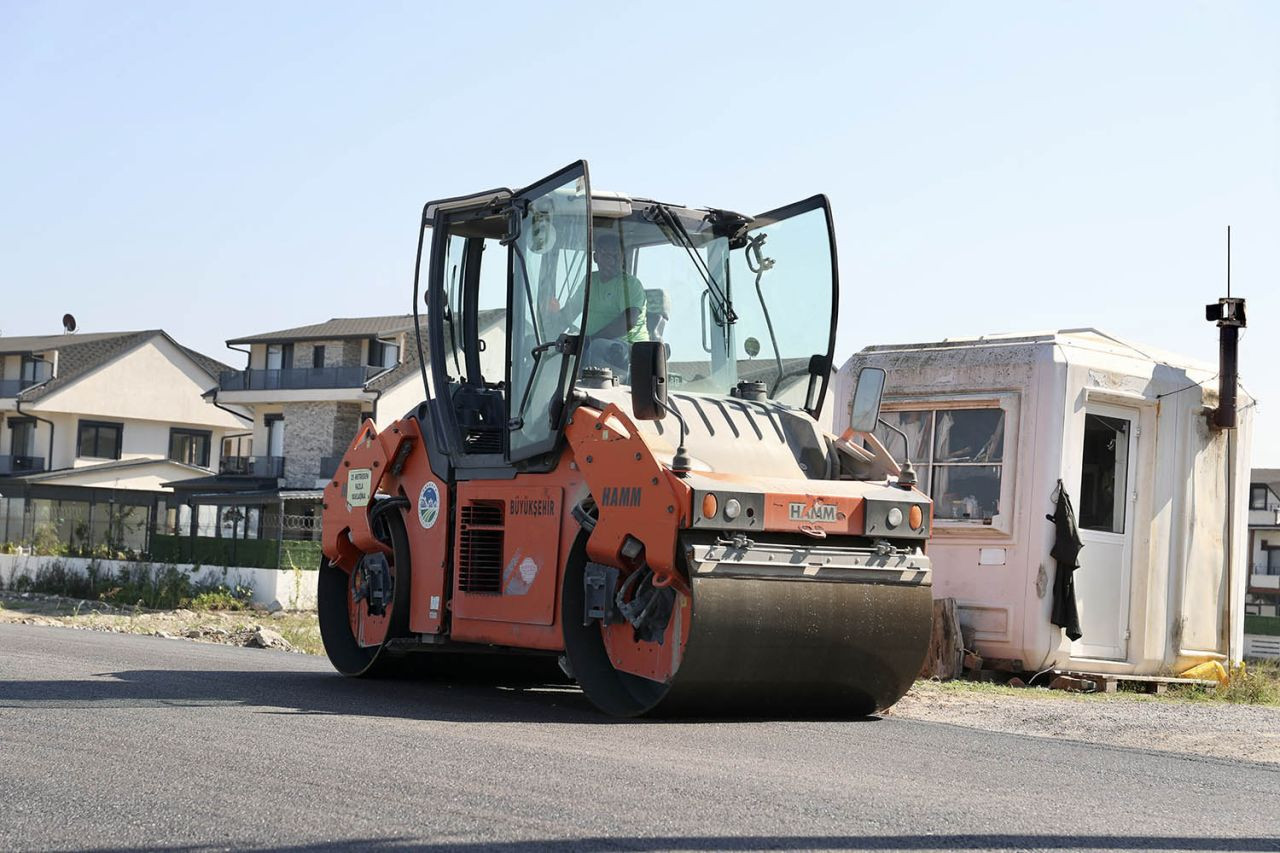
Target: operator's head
[(608, 253)]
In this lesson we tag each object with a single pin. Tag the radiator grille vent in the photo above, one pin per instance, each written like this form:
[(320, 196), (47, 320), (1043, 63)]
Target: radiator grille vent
[(483, 440), (480, 547)]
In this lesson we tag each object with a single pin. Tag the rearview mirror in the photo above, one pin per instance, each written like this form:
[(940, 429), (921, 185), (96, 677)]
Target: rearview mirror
[(648, 380), (864, 414)]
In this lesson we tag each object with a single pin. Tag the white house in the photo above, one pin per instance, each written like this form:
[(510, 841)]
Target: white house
[(91, 427), (308, 389), (996, 423)]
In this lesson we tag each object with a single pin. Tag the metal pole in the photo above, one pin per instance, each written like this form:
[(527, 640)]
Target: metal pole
[(280, 536), (1228, 358)]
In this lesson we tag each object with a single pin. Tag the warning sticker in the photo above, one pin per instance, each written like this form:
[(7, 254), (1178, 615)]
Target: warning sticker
[(359, 486), (519, 575)]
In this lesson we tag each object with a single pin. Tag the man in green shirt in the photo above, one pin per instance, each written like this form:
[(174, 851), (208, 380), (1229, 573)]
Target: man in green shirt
[(616, 308)]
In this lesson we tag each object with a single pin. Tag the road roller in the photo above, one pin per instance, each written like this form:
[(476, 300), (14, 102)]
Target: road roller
[(618, 463)]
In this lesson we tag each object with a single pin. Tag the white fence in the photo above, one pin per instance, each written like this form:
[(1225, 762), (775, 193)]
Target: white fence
[(1261, 646), (273, 588)]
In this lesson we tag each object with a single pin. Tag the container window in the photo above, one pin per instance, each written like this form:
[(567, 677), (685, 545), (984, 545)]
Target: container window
[(1104, 473), (958, 455)]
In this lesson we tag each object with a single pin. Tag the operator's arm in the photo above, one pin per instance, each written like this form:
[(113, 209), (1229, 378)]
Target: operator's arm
[(620, 325)]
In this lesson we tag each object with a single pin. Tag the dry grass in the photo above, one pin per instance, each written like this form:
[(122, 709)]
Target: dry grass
[(1256, 683), (1253, 683)]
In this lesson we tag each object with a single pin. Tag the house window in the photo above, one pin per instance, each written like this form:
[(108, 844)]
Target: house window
[(317, 355), (275, 434), (190, 446), (34, 369), (958, 455), (383, 353), (99, 440), (237, 445), (279, 356), (1273, 561), (22, 436), (1258, 496)]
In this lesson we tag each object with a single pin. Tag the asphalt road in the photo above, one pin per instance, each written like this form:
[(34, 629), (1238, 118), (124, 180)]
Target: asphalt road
[(113, 741)]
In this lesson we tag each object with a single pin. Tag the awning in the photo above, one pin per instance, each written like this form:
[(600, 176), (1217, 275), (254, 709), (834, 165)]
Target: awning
[(260, 497)]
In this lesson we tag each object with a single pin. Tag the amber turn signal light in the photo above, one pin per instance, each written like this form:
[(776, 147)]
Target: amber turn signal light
[(709, 505), (915, 517)]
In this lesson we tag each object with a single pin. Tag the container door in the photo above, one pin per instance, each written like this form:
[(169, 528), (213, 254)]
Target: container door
[(1106, 523)]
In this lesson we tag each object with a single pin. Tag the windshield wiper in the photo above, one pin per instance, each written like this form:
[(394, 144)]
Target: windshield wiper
[(661, 214)]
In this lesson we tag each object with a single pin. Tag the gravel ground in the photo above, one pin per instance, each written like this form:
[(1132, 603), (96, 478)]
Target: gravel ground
[(1211, 729), (295, 631)]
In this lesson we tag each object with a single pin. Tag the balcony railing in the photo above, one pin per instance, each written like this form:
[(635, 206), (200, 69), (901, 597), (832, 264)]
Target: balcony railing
[(16, 464), (11, 387), (1264, 569), (297, 378), (252, 466)]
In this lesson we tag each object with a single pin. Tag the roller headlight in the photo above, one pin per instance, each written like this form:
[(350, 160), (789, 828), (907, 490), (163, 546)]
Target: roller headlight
[(896, 519)]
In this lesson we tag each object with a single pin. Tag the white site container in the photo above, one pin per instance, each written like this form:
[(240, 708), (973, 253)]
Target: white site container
[(1162, 573)]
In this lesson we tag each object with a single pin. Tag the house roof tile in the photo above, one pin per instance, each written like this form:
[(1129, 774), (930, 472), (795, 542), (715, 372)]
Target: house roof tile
[(336, 328), (79, 354)]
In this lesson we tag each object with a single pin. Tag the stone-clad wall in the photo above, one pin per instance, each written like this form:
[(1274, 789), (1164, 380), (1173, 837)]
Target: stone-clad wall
[(336, 353), (313, 431), (351, 353), (308, 436), (345, 423)]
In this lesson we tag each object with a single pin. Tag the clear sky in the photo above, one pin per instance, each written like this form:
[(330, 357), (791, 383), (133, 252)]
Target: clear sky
[(219, 169)]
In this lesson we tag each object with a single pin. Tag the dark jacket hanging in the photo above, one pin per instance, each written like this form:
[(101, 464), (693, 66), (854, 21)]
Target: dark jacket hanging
[(1066, 551)]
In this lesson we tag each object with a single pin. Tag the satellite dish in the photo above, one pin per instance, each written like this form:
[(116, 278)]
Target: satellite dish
[(68, 323), (752, 346)]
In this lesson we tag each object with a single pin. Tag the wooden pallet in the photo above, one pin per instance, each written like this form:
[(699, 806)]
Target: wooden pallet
[(1110, 682)]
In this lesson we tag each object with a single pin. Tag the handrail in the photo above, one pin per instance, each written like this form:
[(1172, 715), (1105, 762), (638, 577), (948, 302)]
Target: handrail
[(297, 378)]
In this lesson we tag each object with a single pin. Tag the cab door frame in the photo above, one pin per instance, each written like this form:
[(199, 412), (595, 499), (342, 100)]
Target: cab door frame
[(820, 364), (449, 461), (542, 454)]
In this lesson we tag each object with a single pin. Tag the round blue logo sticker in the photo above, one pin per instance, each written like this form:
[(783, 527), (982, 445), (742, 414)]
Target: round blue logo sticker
[(429, 505)]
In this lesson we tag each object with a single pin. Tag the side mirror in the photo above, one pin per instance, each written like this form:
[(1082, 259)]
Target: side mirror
[(648, 380), (864, 414)]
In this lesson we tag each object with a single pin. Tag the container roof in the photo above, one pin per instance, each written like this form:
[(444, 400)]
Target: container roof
[(1084, 337)]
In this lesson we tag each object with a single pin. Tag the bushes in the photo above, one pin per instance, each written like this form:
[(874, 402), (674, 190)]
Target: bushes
[(222, 598), (1267, 625), (249, 553), (155, 587)]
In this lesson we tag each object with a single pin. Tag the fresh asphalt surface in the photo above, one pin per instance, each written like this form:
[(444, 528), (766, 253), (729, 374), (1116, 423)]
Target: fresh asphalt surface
[(113, 741)]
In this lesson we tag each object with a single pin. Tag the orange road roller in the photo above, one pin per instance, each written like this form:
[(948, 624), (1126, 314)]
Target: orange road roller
[(619, 463)]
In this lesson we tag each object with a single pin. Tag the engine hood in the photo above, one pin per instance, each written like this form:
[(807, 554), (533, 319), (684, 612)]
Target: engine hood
[(727, 435)]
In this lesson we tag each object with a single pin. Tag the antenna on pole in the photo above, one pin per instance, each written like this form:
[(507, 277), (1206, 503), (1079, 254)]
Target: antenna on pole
[(1229, 315)]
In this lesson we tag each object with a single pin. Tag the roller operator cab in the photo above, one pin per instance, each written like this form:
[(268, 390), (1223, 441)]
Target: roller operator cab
[(618, 462)]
